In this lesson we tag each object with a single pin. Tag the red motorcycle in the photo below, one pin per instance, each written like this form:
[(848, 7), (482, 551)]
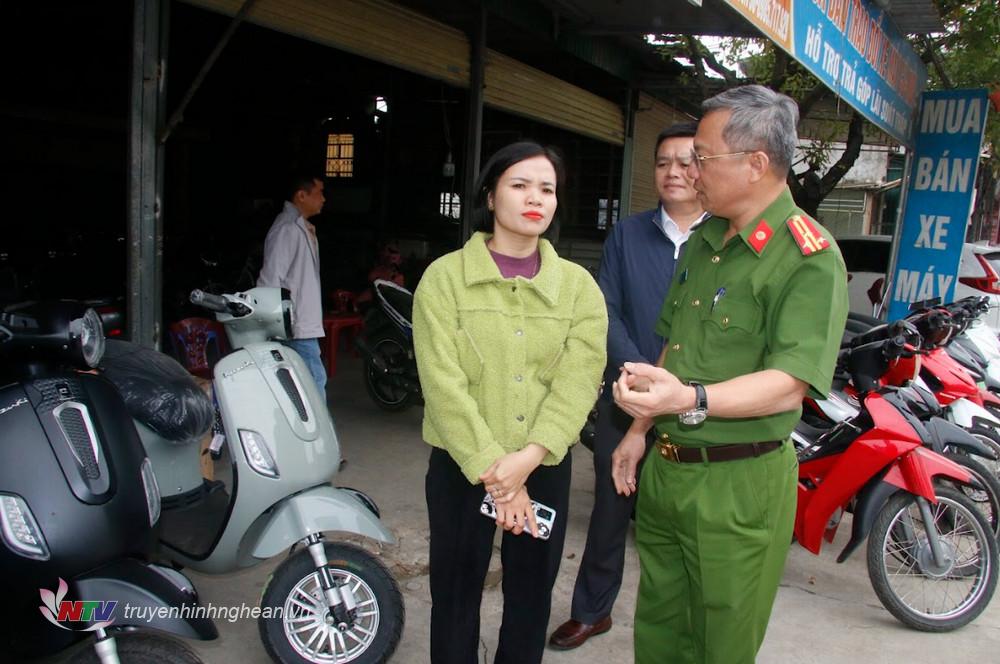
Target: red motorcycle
[(932, 558)]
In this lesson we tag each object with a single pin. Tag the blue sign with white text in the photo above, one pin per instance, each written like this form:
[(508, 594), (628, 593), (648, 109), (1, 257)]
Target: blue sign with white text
[(942, 177), (856, 50)]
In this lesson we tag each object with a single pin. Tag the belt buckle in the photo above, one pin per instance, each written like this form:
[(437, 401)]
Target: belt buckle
[(669, 452)]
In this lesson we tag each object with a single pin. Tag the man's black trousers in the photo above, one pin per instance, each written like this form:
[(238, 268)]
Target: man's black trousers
[(600, 575)]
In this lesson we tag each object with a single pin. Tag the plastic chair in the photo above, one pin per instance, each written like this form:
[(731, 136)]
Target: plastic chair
[(343, 318), (198, 344)]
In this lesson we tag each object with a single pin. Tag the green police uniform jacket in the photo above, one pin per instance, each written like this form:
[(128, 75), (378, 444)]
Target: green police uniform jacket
[(506, 362), (773, 297)]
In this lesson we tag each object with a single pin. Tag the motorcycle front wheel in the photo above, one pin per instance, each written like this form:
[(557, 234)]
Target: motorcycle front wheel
[(382, 388), (301, 628), (141, 648), (986, 499), (921, 593)]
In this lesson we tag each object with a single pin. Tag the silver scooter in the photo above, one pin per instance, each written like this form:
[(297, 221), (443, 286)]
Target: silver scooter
[(276, 451)]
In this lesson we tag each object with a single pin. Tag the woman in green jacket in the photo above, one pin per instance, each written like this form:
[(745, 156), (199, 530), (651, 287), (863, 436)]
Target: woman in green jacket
[(510, 345)]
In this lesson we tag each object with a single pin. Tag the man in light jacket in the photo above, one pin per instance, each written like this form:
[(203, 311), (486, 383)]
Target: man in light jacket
[(291, 260)]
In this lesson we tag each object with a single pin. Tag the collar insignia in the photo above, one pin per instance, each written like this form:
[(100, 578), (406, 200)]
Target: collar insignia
[(760, 236)]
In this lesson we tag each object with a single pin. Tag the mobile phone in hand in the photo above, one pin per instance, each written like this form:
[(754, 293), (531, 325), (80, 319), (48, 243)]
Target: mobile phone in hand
[(545, 516)]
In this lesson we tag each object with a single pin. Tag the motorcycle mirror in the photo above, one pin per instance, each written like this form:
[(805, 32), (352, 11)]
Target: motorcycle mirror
[(53, 331)]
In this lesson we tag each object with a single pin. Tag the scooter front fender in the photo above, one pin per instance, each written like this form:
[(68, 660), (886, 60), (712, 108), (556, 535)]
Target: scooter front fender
[(322, 508), (870, 502), (148, 596), (965, 414), (949, 434), (915, 472), (993, 371)]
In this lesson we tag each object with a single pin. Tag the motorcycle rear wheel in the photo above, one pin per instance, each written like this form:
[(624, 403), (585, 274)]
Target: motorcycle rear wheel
[(902, 570), (380, 388)]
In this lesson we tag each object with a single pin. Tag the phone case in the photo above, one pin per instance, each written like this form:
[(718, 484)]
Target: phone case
[(545, 516)]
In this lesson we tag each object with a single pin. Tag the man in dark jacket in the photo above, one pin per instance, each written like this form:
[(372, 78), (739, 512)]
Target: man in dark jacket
[(636, 270)]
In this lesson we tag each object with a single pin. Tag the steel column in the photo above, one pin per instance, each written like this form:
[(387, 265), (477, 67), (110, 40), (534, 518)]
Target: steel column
[(145, 245), (474, 124)]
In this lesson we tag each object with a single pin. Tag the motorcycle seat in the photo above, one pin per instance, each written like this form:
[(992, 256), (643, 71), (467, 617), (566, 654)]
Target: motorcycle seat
[(158, 391)]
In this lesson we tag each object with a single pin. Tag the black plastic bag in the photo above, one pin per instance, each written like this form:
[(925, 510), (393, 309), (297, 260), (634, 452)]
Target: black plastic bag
[(158, 391)]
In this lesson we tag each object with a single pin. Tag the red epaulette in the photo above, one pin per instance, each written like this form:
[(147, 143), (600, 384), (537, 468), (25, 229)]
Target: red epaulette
[(806, 235)]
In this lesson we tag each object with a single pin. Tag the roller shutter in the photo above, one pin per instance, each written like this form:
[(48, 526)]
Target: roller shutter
[(396, 36), (515, 87), (651, 117)]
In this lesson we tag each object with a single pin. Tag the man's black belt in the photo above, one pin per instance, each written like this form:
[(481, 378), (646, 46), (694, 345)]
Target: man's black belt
[(679, 454)]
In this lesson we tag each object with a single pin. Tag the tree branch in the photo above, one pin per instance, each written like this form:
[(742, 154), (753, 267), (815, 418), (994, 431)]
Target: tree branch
[(812, 98), (695, 54), (709, 59), (931, 51), (780, 70), (855, 137)]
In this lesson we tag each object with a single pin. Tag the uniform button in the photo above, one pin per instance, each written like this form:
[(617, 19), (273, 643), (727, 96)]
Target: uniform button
[(716, 259), (520, 418), (675, 347), (519, 332), (676, 303), (725, 320), (519, 378), (696, 303), (513, 289), (664, 437)]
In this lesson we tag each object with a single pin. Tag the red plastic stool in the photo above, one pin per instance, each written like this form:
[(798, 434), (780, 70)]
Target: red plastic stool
[(193, 339), (344, 318)]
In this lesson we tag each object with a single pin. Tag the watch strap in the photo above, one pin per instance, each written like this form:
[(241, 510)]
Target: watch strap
[(700, 396)]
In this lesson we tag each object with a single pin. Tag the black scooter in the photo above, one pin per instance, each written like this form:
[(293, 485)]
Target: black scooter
[(79, 505), (390, 365)]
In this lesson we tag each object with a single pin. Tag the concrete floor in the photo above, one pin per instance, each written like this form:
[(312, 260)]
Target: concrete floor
[(825, 613)]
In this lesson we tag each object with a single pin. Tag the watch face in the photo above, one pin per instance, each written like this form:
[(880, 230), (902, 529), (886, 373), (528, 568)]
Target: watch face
[(693, 417)]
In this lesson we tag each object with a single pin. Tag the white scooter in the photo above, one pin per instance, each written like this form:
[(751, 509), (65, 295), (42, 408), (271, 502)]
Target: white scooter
[(276, 452)]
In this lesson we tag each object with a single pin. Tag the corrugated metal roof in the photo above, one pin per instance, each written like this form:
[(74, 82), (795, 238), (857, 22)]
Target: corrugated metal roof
[(915, 17), (714, 18)]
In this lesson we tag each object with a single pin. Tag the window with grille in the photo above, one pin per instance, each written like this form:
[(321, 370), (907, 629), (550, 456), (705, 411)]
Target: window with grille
[(451, 205), (340, 155)]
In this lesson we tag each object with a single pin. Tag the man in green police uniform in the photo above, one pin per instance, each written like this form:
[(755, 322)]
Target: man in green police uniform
[(752, 322)]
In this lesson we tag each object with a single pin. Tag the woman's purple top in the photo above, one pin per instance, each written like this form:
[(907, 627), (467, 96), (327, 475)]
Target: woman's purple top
[(510, 266)]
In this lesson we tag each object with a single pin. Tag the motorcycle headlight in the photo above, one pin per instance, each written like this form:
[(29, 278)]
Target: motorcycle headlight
[(20, 530), (90, 331), (257, 453), (152, 490)]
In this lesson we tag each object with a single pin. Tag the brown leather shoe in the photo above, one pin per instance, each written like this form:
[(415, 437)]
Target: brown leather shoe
[(572, 634)]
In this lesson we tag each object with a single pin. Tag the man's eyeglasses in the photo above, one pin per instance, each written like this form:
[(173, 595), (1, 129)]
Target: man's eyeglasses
[(697, 160)]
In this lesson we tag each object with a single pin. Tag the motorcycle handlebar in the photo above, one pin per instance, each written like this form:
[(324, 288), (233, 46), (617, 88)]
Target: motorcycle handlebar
[(210, 301)]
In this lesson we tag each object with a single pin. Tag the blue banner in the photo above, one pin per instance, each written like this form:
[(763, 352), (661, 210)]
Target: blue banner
[(940, 184), (854, 48)]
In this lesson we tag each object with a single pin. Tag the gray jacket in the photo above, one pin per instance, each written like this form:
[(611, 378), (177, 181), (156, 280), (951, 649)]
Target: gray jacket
[(291, 261)]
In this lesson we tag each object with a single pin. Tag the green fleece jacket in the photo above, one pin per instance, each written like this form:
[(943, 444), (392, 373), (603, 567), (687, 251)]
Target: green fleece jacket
[(506, 362)]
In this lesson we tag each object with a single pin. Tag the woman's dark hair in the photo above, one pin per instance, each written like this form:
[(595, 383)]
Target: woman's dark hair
[(502, 159)]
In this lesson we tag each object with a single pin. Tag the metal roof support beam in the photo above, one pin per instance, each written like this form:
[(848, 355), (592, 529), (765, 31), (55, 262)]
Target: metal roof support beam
[(145, 235), (178, 115), (474, 124)]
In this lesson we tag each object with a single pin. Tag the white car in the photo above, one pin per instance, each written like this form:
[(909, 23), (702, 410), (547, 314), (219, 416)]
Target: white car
[(867, 258)]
